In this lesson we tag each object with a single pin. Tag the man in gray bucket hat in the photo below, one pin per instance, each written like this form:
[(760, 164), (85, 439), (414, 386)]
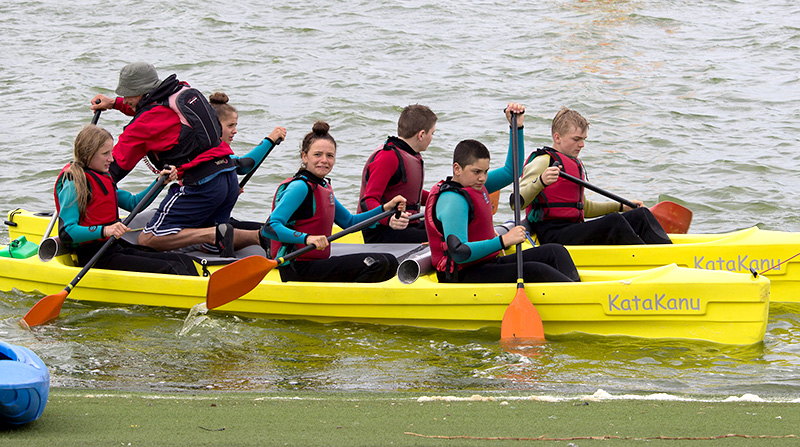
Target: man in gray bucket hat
[(137, 79), (173, 125)]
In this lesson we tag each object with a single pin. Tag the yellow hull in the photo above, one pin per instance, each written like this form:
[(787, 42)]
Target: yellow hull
[(773, 254), (738, 251), (664, 302)]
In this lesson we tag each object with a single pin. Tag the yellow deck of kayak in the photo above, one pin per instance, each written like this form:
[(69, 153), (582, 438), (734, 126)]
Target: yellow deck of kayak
[(663, 302)]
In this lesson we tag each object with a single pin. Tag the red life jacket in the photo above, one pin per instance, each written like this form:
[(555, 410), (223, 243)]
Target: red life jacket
[(407, 181), (313, 216), (480, 224), (102, 207), (563, 199)]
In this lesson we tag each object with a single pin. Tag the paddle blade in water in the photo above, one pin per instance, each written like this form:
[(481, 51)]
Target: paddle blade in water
[(673, 218), (45, 309), (237, 279), (521, 319)]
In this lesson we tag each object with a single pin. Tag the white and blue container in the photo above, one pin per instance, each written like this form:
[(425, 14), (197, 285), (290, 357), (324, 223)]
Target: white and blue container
[(24, 385)]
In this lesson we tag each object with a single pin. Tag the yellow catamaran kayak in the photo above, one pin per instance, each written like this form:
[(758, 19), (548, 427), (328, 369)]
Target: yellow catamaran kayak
[(663, 302)]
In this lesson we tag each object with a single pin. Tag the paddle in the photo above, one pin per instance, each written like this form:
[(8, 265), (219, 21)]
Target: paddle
[(236, 279), (495, 199), (673, 218), (96, 116), (521, 320), (49, 307), (252, 171)]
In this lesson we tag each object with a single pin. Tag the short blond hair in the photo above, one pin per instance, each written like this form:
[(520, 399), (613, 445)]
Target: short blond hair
[(565, 119)]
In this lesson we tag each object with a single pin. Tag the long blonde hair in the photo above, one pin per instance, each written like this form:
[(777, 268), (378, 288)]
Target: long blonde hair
[(88, 142)]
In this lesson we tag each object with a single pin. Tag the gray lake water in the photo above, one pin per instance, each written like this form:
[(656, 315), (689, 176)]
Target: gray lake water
[(691, 101)]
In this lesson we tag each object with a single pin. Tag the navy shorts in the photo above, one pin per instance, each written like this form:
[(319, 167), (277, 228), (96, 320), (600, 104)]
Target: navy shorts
[(196, 206)]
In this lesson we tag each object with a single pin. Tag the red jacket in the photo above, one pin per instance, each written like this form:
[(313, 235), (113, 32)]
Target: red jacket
[(156, 130)]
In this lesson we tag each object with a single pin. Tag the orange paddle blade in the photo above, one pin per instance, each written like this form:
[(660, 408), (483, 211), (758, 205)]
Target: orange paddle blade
[(45, 309), (495, 199), (236, 279), (673, 218), (521, 319)]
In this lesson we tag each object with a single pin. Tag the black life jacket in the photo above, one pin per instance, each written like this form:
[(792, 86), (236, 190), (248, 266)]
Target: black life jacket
[(200, 126)]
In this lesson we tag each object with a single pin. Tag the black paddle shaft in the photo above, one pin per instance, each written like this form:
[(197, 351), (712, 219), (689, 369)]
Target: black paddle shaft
[(602, 191), (515, 155), (252, 171), (96, 116), (136, 210)]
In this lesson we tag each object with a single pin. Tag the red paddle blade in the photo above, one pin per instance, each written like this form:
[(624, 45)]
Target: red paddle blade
[(45, 309), (235, 280), (521, 319), (673, 218)]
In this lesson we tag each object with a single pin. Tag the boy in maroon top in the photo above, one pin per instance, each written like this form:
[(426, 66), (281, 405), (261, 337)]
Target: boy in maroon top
[(396, 168)]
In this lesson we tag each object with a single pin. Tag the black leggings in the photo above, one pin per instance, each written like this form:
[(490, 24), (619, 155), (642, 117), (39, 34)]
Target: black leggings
[(546, 263), (634, 227), (356, 267), (125, 256)]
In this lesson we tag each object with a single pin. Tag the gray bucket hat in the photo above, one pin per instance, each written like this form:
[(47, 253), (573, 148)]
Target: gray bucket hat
[(135, 79)]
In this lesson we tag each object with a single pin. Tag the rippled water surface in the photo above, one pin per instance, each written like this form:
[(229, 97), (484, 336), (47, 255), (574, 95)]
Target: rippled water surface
[(691, 101)]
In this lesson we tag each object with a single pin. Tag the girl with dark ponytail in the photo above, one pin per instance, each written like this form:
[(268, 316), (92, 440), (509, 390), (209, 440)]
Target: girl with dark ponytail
[(304, 210)]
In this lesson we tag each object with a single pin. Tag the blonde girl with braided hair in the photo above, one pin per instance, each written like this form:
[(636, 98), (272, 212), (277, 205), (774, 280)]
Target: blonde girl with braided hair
[(88, 202)]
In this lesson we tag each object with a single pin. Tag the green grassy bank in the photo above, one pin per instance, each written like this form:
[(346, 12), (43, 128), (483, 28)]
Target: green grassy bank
[(95, 417)]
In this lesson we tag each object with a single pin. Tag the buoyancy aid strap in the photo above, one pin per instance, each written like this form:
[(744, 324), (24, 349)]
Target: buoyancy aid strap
[(447, 264), (578, 205), (96, 179), (401, 168), (448, 186)]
